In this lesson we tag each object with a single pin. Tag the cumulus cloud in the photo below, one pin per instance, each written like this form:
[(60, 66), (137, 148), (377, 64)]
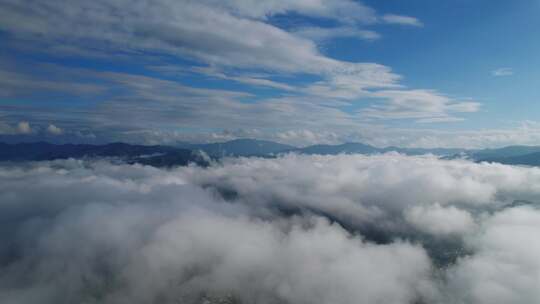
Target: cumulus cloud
[(54, 130), (130, 234), (438, 220), (293, 229), (505, 266), (23, 127), (360, 189), (382, 197), (16, 128)]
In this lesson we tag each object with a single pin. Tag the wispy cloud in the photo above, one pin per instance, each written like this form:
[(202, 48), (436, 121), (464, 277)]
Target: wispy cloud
[(231, 42), (401, 20), (425, 106), (320, 33), (502, 72)]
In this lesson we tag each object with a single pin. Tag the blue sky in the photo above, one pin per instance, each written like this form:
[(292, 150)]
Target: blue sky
[(411, 73)]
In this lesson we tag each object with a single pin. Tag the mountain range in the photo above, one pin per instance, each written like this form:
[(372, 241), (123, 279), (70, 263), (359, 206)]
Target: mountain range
[(201, 154), (151, 155)]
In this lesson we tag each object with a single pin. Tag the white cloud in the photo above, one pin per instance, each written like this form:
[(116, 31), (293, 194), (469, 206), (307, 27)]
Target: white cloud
[(259, 80), (320, 33), (374, 133), (307, 137), (439, 119), (24, 127), (504, 267), (54, 130), (89, 231), (371, 189), (16, 84), (353, 81), (341, 10), (207, 32), (113, 233), (438, 220), (425, 106), (502, 72), (402, 20)]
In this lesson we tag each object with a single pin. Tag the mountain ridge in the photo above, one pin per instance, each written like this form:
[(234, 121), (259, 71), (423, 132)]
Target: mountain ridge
[(164, 155)]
